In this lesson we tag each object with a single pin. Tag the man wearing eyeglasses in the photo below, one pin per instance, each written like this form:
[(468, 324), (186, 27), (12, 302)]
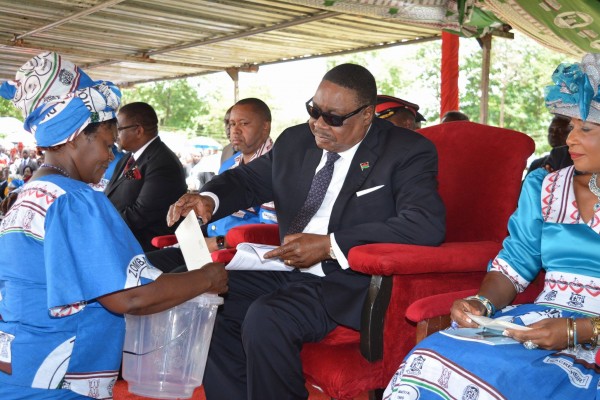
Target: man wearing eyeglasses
[(147, 179), (341, 180)]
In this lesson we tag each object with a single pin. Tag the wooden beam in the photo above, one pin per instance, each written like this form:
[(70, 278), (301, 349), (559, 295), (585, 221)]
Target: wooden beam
[(486, 45), (20, 44), (234, 74)]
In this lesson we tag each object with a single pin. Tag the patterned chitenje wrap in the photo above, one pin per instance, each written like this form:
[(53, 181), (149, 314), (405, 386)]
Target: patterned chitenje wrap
[(575, 92), (58, 100)]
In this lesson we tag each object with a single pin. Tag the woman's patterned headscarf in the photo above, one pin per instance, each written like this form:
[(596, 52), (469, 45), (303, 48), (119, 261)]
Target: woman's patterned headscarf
[(575, 93), (58, 100)]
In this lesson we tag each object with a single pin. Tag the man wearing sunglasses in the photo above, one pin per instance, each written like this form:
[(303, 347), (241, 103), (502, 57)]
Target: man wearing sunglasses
[(374, 182)]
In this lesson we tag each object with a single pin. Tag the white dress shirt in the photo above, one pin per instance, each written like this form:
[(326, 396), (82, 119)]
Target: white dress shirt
[(320, 221)]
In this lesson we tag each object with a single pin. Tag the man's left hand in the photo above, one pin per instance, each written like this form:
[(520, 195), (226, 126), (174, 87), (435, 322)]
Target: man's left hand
[(302, 250)]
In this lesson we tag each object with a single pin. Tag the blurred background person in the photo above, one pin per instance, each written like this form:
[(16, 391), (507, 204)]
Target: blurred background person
[(399, 112), (27, 159), (228, 150), (27, 172), (454, 115), (559, 157)]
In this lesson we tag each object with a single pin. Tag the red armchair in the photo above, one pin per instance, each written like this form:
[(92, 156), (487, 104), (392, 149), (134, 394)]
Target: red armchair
[(480, 172), (432, 314)]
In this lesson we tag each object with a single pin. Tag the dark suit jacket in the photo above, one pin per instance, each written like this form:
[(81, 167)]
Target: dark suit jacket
[(558, 158), (407, 209), (30, 163), (143, 203)]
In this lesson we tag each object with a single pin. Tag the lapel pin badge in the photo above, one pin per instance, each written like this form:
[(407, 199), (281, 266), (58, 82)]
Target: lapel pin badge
[(364, 166)]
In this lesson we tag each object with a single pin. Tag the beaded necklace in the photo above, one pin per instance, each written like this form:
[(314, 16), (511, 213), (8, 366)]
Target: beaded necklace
[(58, 169)]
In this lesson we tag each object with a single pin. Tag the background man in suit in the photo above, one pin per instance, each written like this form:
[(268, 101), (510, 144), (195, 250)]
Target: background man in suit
[(27, 161), (146, 180), (383, 189)]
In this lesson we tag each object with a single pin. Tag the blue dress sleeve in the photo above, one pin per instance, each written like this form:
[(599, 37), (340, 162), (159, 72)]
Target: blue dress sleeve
[(89, 251), (520, 257)]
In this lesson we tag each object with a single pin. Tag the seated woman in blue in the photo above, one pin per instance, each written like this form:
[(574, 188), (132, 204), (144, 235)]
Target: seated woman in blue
[(62, 301), (555, 229)]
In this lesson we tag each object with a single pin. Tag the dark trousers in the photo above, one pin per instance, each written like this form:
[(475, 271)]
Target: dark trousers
[(259, 332), (169, 259)]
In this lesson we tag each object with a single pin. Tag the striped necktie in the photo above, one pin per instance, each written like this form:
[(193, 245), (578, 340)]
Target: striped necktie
[(315, 197)]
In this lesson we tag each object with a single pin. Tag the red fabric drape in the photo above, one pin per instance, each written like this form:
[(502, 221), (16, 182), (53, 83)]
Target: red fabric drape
[(449, 89)]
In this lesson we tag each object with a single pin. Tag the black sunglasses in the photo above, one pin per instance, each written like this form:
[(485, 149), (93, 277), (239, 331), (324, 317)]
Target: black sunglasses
[(330, 119)]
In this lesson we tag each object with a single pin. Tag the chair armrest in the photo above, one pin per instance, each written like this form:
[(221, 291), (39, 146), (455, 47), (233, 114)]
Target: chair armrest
[(436, 305), (384, 259), (253, 233), (440, 304), (223, 256), (402, 259), (163, 241), (432, 313)]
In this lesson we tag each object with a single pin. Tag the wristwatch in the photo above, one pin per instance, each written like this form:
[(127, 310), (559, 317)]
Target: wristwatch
[(220, 242), (331, 253)]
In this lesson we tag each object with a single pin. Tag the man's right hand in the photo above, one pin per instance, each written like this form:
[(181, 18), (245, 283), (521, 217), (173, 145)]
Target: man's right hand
[(202, 205)]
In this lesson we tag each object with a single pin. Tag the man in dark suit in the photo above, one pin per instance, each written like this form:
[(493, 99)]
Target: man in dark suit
[(383, 188), (27, 161), (146, 180)]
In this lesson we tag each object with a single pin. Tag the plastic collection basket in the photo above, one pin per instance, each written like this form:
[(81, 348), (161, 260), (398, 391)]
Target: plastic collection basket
[(165, 353)]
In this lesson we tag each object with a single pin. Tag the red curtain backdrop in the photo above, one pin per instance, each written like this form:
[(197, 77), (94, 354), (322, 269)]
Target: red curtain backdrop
[(449, 90)]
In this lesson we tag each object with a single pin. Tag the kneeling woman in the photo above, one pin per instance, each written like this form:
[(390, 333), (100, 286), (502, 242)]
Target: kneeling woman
[(70, 265), (556, 228)]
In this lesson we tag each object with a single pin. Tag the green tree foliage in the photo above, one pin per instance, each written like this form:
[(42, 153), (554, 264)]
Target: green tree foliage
[(179, 106), (520, 70), (7, 109)]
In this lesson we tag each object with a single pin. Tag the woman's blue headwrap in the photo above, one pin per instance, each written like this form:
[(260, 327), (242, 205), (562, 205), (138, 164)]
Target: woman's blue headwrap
[(58, 100), (575, 93)]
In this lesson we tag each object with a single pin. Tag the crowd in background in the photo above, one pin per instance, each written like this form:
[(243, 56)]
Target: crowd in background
[(16, 167), (18, 163)]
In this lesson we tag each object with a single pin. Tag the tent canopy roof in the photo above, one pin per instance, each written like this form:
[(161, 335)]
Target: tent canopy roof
[(134, 41)]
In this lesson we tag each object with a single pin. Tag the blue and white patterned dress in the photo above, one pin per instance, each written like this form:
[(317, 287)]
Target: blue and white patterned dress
[(546, 232), (62, 246)]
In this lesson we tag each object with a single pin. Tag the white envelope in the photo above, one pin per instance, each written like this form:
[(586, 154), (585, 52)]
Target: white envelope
[(192, 243), (367, 191)]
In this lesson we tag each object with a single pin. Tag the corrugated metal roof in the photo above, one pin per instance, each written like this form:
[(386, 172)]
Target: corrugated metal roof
[(132, 41)]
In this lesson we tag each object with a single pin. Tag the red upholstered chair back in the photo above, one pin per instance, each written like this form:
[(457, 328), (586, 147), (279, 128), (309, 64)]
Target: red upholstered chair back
[(465, 149)]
